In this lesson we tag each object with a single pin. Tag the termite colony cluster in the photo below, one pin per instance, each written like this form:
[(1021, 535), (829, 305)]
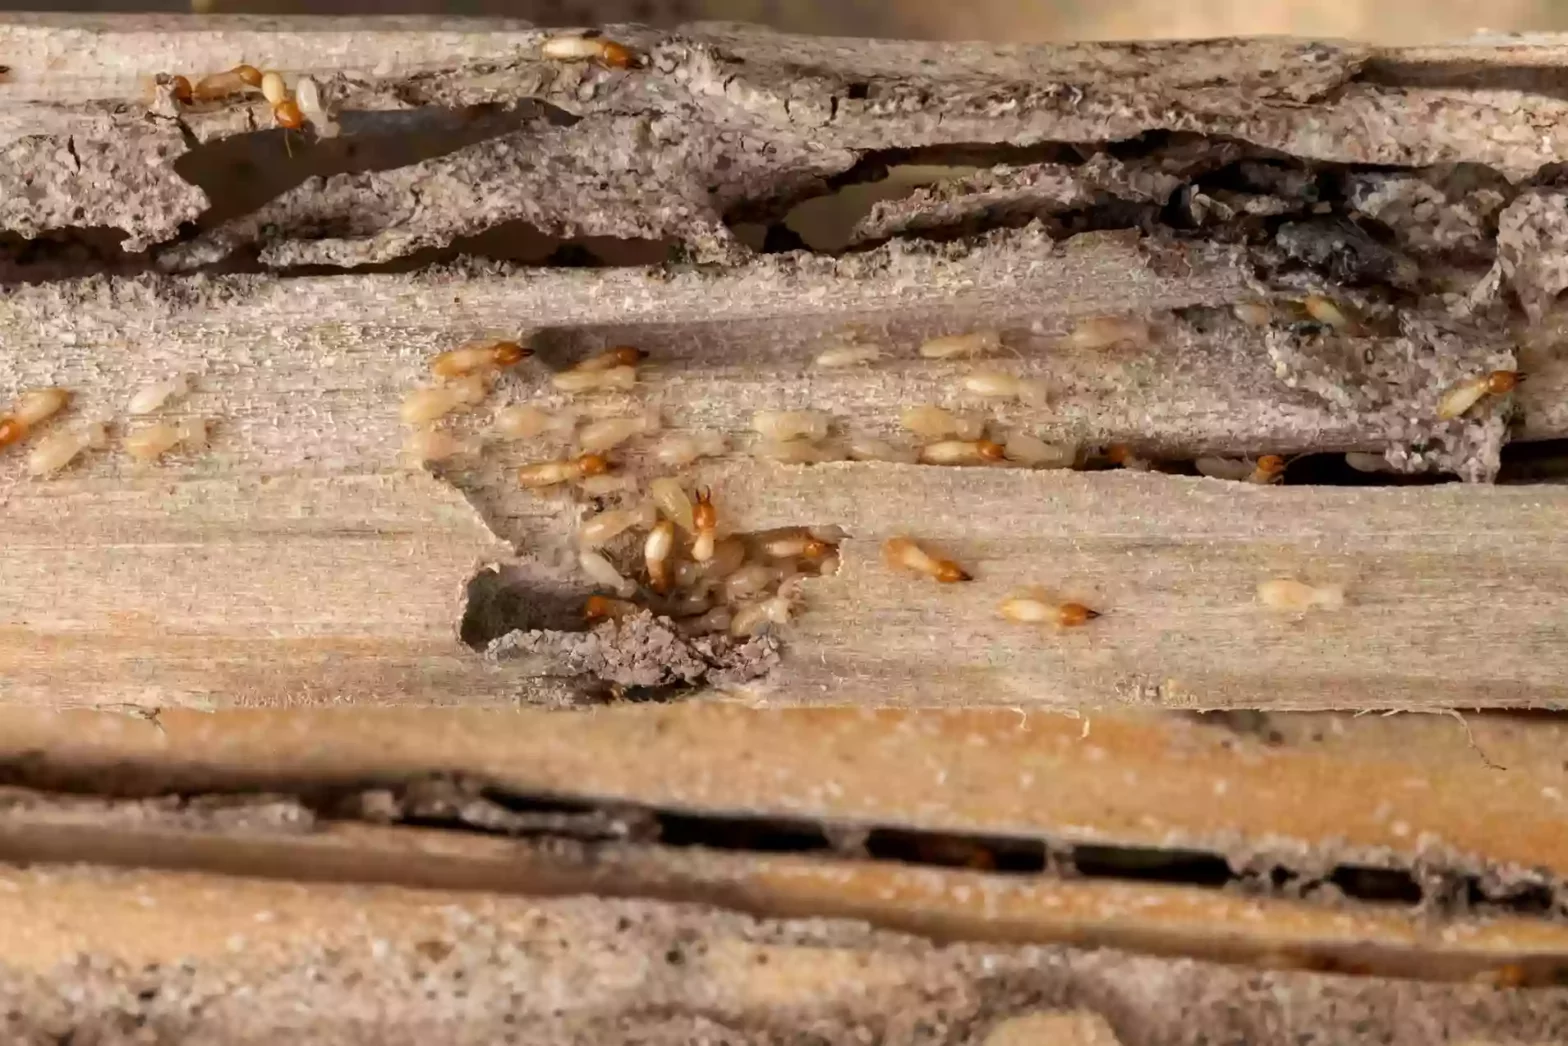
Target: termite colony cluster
[(291, 109), (706, 581), (62, 444)]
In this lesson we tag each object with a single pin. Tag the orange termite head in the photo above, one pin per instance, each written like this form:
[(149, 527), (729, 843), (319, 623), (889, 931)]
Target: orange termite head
[(507, 353), (1073, 614), (182, 89), (248, 74), (11, 430), (1501, 381), (627, 355), (1118, 453), (1271, 464), (618, 56), (593, 464), (815, 549), (947, 571), (989, 450), (287, 115), (703, 515), (597, 608)]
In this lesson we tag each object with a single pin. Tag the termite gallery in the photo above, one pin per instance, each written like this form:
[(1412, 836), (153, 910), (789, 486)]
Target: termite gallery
[(905, 554)]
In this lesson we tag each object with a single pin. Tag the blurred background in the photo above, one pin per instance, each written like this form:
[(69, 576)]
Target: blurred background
[(1381, 21)]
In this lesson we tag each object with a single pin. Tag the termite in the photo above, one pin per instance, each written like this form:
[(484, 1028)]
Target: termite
[(286, 114), (230, 82), (308, 94), (58, 449), (599, 436), (795, 545), (1103, 332), (603, 608), (680, 449), (715, 620), (1254, 313), (522, 422), (617, 356), (797, 451), (670, 498), (602, 572), (151, 442), (180, 87), (934, 423), (1363, 462), (1032, 452), (621, 378), (747, 582), (1297, 596), (995, 384), (904, 553), (1122, 455), (600, 530), (867, 448), (550, 473), (606, 484), (785, 425), (478, 357), (571, 48), (33, 408), (657, 551), (962, 452), (1033, 608), (751, 618), (949, 346), (705, 518), (150, 397), (422, 406), (1268, 469), (273, 89), (1459, 399), (1326, 312), (848, 355), (432, 444), (729, 556)]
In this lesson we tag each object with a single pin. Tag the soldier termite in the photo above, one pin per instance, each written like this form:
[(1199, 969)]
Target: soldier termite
[(58, 449), (994, 384), (617, 356), (670, 498), (905, 554), (287, 115), (478, 357), (1103, 332), (935, 423), (571, 48), (962, 452), (550, 473), (949, 346), (600, 530), (785, 425), (1293, 596), (182, 90), (425, 405), (1459, 399), (1032, 452), (604, 608), (706, 520), (603, 573), (522, 422), (150, 397), (599, 436), (680, 449), (617, 378), (657, 551), (1033, 607)]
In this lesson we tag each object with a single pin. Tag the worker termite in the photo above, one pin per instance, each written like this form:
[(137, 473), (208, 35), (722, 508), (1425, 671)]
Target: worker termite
[(867, 448), (848, 355), (797, 451), (994, 384), (603, 573), (1294, 596), (1363, 462), (151, 442), (706, 520), (934, 423), (619, 378), (603, 608), (150, 397), (599, 436), (1325, 311), (1103, 332), (1123, 456), (550, 473), (1254, 313), (962, 452), (431, 444), (573, 48), (670, 498), (58, 449), (308, 94), (273, 89), (949, 346), (785, 425), (1268, 469), (904, 553), (747, 581), (795, 545), (478, 357), (1033, 607), (522, 422), (605, 484), (427, 404), (752, 618), (229, 82), (1032, 452), (616, 356), (1459, 399), (605, 527), (680, 449), (32, 408), (657, 551)]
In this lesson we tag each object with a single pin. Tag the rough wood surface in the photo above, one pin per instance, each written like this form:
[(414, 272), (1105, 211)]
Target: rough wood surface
[(252, 574)]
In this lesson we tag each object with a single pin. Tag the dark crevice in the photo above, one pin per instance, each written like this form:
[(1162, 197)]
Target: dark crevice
[(1550, 81)]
